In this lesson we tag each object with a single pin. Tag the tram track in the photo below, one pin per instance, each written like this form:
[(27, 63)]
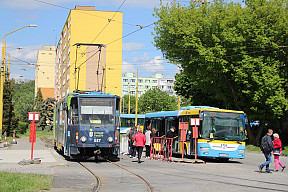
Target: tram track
[(97, 186), (215, 181), (150, 188)]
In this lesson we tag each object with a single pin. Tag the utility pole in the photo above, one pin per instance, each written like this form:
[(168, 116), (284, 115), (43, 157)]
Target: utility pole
[(129, 101), (136, 105)]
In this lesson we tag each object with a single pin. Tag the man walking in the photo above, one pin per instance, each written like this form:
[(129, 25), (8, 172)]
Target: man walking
[(267, 148)]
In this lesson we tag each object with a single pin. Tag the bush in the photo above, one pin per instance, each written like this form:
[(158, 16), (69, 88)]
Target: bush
[(22, 127)]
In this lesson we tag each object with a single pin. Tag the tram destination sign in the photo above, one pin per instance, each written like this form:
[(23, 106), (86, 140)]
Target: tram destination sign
[(97, 102)]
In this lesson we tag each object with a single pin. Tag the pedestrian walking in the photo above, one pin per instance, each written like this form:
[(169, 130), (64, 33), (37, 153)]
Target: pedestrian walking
[(148, 141), (129, 141), (277, 152), (140, 143), (133, 144), (266, 147)]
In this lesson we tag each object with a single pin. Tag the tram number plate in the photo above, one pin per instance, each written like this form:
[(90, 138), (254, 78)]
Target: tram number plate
[(97, 140), (224, 155)]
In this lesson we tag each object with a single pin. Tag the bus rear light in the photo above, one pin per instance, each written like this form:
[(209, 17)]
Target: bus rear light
[(109, 145)]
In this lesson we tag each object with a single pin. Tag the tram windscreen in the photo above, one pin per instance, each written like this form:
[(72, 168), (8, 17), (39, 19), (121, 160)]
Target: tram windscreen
[(97, 111), (223, 126)]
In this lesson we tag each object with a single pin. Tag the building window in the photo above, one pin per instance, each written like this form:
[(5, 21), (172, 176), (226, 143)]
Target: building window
[(169, 87), (153, 87), (154, 81), (170, 81), (125, 86), (132, 80), (132, 92), (140, 80), (147, 81), (147, 87), (140, 86), (140, 92), (125, 80)]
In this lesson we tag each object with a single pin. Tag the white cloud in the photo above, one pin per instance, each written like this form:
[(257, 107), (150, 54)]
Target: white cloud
[(33, 4), (128, 67), (25, 55), (154, 65), (132, 46)]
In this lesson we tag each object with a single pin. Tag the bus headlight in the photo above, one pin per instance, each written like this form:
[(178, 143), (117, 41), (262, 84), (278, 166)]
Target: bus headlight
[(110, 139), (83, 139), (241, 151), (204, 148)]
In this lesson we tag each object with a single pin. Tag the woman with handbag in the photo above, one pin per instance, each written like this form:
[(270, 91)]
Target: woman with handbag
[(277, 152)]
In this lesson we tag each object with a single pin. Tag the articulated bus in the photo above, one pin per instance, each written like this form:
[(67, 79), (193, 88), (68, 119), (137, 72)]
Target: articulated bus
[(87, 124), (221, 133), (128, 120)]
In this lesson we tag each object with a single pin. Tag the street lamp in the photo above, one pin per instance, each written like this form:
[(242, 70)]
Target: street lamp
[(3, 65)]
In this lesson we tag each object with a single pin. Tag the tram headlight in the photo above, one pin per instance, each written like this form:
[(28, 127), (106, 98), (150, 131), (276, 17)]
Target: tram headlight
[(204, 148), (83, 139), (110, 139), (241, 151)]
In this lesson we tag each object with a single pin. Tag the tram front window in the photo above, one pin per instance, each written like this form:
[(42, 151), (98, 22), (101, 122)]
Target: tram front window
[(99, 111), (223, 126)]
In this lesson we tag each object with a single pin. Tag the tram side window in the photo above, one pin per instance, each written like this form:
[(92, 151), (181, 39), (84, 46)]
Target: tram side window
[(74, 116)]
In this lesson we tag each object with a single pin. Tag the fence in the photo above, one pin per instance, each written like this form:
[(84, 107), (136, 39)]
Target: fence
[(161, 148)]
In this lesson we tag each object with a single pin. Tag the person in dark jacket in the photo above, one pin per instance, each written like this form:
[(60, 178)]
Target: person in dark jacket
[(267, 148), (170, 133), (130, 136), (168, 148)]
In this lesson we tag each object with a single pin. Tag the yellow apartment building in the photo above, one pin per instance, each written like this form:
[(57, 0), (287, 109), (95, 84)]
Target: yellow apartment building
[(89, 53), (45, 71)]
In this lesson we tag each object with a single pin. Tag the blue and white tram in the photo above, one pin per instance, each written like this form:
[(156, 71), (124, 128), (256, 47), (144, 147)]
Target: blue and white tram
[(87, 124)]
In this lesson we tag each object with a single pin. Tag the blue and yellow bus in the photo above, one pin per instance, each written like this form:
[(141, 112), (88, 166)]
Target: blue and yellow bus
[(221, 133), (128, 120)]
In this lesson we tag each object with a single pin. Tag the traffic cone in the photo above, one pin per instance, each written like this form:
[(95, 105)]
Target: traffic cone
[(6, 143), (14, 140)]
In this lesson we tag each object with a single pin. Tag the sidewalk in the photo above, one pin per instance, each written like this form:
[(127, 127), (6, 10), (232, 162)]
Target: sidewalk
[(10, 157)]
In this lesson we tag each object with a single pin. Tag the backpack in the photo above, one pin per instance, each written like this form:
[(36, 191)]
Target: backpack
[(264, 145)]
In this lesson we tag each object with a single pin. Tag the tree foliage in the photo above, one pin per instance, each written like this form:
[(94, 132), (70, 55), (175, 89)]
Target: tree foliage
[(125, 104), (10, 121), (155, 100), (38, 100), (46, 114), (232, 56), (23, 98)]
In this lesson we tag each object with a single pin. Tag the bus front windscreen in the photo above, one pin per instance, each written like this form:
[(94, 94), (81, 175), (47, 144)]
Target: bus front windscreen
[(99, 111), (223, 126)]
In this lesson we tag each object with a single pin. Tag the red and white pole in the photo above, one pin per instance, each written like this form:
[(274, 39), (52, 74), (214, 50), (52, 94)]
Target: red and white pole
[(6, 143), (14, 140)]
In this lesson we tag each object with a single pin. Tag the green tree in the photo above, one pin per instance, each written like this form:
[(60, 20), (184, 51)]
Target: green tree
[(38, 100), (46, 111), (10, 122), (232, 56), (23, 99), (155, 100), (125, 98)]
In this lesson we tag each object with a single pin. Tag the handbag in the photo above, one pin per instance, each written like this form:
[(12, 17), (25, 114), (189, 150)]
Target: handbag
[(276, 152), (134, 143)]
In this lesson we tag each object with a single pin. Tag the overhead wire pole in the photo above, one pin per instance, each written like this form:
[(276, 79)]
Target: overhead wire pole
[(136, 105), (3, 65)]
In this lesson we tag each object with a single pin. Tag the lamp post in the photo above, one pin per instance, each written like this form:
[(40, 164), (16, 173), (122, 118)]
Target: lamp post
[(3, 65)]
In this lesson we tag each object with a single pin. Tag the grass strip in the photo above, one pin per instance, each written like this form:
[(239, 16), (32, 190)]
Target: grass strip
[(13, 182), (255, 148)]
